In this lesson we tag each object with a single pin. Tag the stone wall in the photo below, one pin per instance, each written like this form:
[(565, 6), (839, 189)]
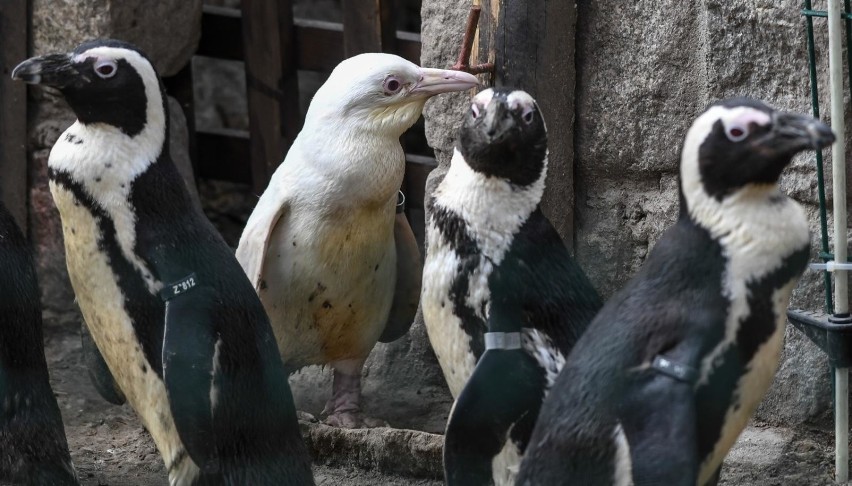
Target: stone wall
[(645, 69)]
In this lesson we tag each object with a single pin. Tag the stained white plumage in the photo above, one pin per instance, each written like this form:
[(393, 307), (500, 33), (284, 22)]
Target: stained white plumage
[(319, 246)]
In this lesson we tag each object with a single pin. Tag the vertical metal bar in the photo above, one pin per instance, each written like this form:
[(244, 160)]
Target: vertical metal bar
[(841, 297), (823, 217)]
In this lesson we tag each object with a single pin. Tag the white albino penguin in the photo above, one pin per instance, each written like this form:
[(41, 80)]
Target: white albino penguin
[(669, 372), (174, 317), (320, 247)]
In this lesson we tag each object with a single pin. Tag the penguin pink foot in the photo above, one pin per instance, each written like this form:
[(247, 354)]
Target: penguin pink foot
[(343, 409)]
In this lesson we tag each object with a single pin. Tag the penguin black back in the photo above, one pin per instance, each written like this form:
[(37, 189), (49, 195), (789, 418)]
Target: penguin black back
[(33, 448), (675, 363), (169, 307)]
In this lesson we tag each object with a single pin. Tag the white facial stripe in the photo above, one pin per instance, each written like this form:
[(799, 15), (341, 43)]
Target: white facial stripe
[(484, 97), (744, 116), (520, 99)]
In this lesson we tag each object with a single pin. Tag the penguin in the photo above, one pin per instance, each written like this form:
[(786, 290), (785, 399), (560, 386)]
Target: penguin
[(668, 374), (503, 301), (172, 314), (320, 246), (33, 448)]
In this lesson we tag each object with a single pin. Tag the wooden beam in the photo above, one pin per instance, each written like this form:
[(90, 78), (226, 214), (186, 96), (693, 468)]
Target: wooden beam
[(292, 121), (319, 44), (368, 26), (532, 46), (13, 110), (265, 82)]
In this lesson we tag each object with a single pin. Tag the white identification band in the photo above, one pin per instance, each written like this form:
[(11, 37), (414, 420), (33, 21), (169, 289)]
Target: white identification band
[(502, 340)]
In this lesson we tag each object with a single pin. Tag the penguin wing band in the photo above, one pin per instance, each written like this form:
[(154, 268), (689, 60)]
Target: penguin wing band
[(182, 286), (400, 203), (502, 340), (677, 371)]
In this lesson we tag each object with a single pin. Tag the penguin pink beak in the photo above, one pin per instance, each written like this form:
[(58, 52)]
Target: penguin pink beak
[(437, 81)]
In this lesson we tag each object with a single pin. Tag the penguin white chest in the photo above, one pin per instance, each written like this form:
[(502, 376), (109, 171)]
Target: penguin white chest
[(757, 241), (102, 303), (328, 283), (452, 345)]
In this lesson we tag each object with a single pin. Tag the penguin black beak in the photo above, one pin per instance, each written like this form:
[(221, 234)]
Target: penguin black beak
[(497, 121), (54, 70), (793, 133)]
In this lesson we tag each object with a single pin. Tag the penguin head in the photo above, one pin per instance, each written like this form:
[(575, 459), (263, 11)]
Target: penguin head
[(104, 81), (744, 144), (503, 135), (381, 93)]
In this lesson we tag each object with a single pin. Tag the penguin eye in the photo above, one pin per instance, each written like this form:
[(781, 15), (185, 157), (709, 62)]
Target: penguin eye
[(736, 133), (105, 69), (527, 115), (474, 110), (392, 85)]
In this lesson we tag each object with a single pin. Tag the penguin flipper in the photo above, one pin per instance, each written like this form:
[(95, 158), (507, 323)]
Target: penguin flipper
[(664, 440), (254, 242), (99, 372), (189, 354), (409, 276), (505, 388)]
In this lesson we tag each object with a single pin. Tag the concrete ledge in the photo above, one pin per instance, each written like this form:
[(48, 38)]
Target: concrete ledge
[(393, 451)]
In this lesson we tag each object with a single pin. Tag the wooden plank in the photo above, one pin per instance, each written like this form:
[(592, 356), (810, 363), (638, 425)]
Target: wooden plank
[(224, 155), (292, 121), (368, 26), (532, 45), (264, 82), (13, 110), (319, 44)]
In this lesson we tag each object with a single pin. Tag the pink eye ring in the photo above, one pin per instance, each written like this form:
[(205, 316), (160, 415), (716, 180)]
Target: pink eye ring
[(474, 110), (527, 115), (392, 85), (105, 69), (736, 133)]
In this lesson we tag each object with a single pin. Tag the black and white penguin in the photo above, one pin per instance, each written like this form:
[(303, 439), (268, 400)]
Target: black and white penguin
[(500, 289), (33, 449), (660, 387), (324, 244), (171, 311)]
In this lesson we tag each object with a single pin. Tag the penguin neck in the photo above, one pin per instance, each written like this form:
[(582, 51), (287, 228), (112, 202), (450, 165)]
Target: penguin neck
[(757, 225), (105, 159), (351, 163), (493, 208)]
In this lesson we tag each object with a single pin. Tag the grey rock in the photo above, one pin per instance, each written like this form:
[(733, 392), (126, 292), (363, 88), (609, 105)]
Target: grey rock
[(179, 148), (168, 31), (405, 452)]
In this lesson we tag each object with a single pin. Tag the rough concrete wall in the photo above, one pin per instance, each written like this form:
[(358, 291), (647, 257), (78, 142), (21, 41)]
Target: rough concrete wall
[(645, 69), (168, 31)]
